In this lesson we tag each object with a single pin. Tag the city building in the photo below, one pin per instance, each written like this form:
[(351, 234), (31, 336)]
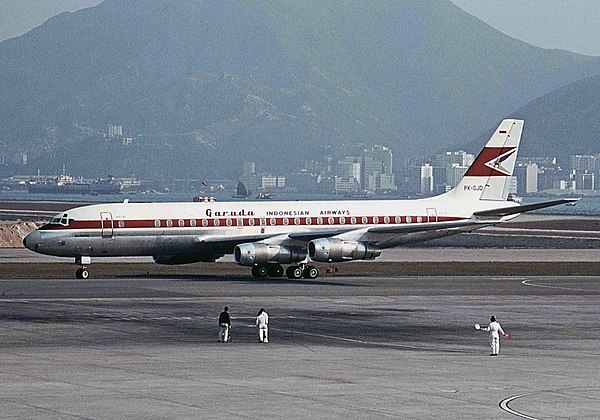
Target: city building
[(527, 178)]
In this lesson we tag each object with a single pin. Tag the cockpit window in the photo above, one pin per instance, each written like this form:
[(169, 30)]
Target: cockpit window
[(62, 220)]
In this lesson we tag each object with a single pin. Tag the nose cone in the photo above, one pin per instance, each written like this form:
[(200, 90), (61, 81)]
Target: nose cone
[(32, 241)]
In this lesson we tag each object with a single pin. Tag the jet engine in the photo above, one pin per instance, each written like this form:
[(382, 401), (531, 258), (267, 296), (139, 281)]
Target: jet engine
[(337, 250), (250, 254)]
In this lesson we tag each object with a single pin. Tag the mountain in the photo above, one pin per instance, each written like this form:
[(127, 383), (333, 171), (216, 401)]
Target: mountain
[(205, 85), (564, 122)]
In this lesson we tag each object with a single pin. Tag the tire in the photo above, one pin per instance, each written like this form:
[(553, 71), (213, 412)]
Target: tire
[(311, 272), (294, 272), (78, 273), (259, 271), (274, 270)]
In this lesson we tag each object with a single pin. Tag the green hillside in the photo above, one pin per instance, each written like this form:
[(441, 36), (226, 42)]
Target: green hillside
[(204, 85)]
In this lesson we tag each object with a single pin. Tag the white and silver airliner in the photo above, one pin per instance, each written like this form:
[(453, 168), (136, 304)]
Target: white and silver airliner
[(264, 235)]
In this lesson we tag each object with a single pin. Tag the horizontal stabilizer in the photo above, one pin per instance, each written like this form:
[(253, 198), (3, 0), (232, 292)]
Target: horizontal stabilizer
[(507, 211)]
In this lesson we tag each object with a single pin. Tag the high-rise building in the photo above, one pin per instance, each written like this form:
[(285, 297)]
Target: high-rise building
[(377, 169), (450, 168), (115, 130), (527, 178), (582, 163), (427, 180)]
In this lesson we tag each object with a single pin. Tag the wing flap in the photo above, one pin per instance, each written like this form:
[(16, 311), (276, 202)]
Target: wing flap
[(422, 227)]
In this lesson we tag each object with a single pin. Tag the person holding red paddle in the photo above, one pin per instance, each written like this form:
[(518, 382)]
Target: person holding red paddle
[(495, 330)]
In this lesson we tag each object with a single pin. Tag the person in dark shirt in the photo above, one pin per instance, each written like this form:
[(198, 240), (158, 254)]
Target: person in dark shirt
[(224, 325)]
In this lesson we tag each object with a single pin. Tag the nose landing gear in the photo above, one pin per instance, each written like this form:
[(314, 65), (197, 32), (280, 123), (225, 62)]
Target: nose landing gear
[(82, 272)]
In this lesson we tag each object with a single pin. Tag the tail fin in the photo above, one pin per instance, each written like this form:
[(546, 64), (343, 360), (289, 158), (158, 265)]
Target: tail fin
[(489, 177)]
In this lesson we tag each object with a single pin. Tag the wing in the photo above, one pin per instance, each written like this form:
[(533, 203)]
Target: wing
[(225, 245), (382, 236)]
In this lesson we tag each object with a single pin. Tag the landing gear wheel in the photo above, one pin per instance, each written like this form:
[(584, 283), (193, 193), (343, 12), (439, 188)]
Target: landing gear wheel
[(82, 273), (259, 271), (274, 270), (294, 272), (311, 272)]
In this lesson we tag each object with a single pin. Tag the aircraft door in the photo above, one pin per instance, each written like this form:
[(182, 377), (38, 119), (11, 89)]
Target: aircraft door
[(106, 221), (432, 215)]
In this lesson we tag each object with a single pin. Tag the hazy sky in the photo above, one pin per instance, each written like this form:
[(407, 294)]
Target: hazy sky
[(19, 16), (567, 24), (572, 25)]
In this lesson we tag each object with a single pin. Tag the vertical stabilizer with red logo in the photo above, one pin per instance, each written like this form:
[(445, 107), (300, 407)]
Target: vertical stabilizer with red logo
[(490, 175)]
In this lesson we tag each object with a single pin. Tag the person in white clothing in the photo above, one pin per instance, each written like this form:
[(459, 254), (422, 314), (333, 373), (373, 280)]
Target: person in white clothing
[(495, 330), (262, 322)]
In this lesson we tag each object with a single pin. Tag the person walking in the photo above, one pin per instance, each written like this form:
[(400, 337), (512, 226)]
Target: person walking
[(495, 329), (262, 322), (224, 325)]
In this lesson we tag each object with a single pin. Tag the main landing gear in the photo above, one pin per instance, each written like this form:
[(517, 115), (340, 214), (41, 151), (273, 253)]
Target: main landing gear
[(292, 272), (82, 272)]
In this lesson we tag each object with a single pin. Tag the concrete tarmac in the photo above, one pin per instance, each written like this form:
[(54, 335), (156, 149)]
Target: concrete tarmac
[(340, 347)]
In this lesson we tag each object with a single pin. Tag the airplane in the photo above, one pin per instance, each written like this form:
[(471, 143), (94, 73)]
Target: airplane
[(264, 235)]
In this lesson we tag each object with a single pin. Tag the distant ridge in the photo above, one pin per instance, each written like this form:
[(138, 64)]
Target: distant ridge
[(564, 122)]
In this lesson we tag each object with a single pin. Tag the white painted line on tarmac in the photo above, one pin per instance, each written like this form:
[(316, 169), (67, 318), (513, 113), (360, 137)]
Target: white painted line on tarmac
[(527, 283), (504, 406), (371, 343)]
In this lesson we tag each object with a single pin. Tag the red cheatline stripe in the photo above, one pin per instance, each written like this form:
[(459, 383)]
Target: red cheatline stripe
[(246, 222)]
